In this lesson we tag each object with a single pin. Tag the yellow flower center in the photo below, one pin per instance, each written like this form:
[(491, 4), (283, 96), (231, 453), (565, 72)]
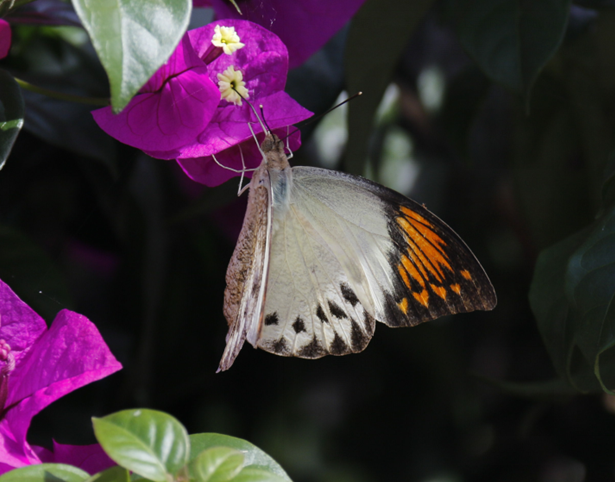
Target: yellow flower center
[(227, 39), (232, 87)]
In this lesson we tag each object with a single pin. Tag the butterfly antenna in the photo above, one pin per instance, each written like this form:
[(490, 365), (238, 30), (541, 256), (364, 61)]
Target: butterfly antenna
[(320, 116), (263, 117)]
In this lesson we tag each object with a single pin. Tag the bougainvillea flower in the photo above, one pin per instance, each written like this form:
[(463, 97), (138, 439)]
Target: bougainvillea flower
[(38, 366), (206, 171), (173, 107), (5, 38), (263, 64), (303, 26)]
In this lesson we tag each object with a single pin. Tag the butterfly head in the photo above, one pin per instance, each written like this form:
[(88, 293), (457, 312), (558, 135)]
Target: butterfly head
[(273, 149)]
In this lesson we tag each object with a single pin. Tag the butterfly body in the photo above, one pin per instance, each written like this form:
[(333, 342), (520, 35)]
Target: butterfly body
[(323, 255)]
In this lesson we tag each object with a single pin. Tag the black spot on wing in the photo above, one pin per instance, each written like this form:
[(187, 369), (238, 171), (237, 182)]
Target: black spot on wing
[(336, 310), (321, 315), (358, 339), (313, 350), (370, 323), (348, 294), (298, 325), (271, 318), (280, 347), (338, 347)]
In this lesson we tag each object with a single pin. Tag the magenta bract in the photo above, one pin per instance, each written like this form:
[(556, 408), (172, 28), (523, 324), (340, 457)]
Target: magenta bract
[(48, 364), (303, 26), (264, 64), (5, 38), (173, 119), (174, 106), (206, 171)]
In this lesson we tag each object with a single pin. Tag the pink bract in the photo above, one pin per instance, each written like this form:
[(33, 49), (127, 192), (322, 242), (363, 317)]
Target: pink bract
[(206, 171), (174, 106), (264, 64), (48, 365), (263, 60), (5, 38), (304, 26)]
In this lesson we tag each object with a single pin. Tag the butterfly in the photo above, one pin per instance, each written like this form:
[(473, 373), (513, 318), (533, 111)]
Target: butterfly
[(323, 255)]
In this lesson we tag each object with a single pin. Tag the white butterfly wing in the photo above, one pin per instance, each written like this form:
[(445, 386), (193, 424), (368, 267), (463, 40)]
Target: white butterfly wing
[(346, 251)]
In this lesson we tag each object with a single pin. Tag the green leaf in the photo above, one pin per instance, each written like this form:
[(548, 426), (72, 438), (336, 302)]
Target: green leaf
[(369, 67), (511, 40), (255, 474), (217, 464), (46, 473), (572, 297), (590, 288), (133, 39), (252, 454), (113, 474), (149, 443), (553, 311), (12, 113)]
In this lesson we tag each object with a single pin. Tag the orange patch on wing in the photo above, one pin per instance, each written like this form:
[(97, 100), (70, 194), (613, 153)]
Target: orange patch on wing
[(456, 288), (466, 274), (403, 306), (422, 298), (404, 275), (414, 215), (413, 271), (439, 290), (425, 244)]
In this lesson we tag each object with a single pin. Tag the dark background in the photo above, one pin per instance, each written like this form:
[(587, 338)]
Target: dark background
[(134, 245)]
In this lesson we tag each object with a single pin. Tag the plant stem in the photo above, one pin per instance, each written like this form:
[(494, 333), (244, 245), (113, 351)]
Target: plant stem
[(61, 96)]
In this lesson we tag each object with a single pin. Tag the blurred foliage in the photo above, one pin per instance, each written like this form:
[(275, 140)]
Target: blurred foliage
[(514, 156), (11, 114)]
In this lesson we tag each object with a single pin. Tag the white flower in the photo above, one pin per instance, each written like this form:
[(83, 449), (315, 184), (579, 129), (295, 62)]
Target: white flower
[(232, 87), (227, 39)]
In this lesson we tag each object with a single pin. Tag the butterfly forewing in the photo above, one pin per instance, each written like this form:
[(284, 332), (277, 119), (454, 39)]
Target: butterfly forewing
[(436, 273), (349, 251)]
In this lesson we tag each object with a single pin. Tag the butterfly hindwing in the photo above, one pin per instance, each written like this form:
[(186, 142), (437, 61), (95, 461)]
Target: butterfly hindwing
[(310, 309)]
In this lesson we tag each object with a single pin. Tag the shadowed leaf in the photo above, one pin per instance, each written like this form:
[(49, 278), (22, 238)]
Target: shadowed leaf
[(511, 40)]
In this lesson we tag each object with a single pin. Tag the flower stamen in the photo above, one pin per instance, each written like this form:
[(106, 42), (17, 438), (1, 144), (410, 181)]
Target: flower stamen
[(232, 87), (227, 39)]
